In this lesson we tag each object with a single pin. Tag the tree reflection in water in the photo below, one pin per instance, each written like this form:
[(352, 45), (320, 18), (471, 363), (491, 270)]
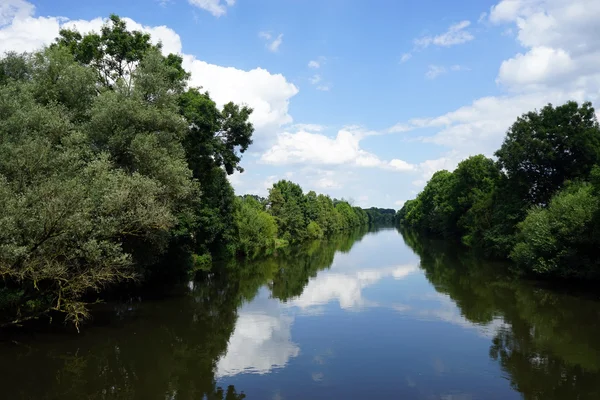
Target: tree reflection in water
[(159, 349), (549, 343)]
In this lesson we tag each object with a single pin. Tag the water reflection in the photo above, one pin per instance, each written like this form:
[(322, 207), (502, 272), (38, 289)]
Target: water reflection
[(261, 341), (346, 288), (547, 342), (174, 348), (352, 317)]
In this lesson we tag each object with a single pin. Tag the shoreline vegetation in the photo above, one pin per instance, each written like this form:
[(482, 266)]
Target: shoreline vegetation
[(114, 173), (537, 204)]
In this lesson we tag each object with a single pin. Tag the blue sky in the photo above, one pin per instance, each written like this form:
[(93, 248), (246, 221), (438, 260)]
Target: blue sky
[(357, 99)]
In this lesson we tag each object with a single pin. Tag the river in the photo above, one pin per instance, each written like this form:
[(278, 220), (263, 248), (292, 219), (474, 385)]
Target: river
[(365, 315)]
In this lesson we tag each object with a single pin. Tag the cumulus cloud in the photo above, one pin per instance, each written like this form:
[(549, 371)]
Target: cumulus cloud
[(456, 34), (215, 7), (305, 147), (538, 66), (562, 42), (268, 94)]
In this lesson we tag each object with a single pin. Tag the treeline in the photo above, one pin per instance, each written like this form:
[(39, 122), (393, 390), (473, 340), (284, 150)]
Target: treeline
[(385, 216), (538, 203), (288, 215), (113, 169)]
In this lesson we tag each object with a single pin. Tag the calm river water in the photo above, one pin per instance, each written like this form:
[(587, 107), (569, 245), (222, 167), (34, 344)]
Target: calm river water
[(366, 315)]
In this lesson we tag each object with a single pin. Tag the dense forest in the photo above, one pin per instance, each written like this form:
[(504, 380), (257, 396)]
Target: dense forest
[(537, 203), (113, 170)]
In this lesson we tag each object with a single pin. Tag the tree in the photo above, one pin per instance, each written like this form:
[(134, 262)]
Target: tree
[(113, 54), (256, 228), (561, 240), (206, 139), (67, 208), (214, 136), (544, 149)]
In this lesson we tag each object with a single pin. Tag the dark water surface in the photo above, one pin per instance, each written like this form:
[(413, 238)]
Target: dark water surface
[(376, 315)]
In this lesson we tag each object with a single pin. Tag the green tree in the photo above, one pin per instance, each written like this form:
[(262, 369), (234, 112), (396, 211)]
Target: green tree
[(561, 240), (256, 228), (68, 209), (544, 149)]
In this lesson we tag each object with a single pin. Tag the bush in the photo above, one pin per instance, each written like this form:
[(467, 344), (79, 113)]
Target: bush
[(257, 229), (561, 240)]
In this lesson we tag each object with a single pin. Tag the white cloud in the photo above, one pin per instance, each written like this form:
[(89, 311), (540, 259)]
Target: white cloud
[(272, 43), (305, 147), (434, 71), (400, 127), (314, 64), (562, 42), (400, 203), (456, 34), (405, 57), (215, 7), (506, 10), (539, 65), (10, 9), (482, 17), (324, 88), (308, 127), (327, 181), (268, 94), (560, 64), (315, 79)]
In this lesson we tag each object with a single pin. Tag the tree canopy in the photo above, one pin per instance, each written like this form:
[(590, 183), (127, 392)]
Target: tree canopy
[(533, 204)]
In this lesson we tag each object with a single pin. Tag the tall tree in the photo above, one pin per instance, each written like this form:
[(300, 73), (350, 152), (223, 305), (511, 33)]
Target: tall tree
[(544, 149)]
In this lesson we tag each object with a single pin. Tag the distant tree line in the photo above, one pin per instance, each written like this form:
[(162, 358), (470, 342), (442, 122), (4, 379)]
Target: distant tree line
[(114, 169), (538, 203)]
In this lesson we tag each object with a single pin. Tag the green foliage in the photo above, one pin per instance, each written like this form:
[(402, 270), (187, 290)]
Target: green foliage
[(562, 239), (106, 164), (544, 149), (113, 169), (257, 229), (431, 210), (314, 231), (384, 216), (311, 216), (518, 206)]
